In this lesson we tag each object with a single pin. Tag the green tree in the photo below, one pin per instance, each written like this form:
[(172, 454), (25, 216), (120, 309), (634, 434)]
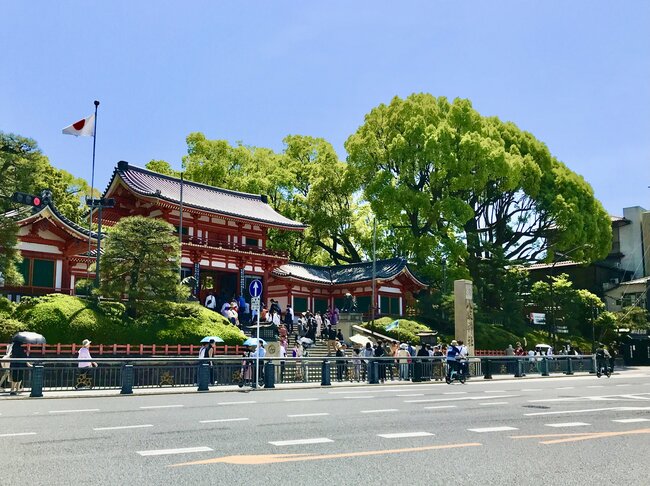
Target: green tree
[(162, 167), (473, 190), (633, 318), (140, 262)]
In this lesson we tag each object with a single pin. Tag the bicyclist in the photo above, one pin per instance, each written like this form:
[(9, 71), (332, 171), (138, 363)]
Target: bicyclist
[(463, 363), (452, 357), (602, 358)]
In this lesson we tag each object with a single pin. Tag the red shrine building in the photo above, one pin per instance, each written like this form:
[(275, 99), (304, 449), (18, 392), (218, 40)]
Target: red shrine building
[(224, 247)]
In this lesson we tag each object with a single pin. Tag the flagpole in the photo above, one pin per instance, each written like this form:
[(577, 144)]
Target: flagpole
[(92, 193), (180, 235)]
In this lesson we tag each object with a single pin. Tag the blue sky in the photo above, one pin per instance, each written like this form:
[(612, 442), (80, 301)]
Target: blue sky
[(574, 73)]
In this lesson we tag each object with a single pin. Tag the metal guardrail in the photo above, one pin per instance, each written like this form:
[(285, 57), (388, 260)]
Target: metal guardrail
[(58, 374)]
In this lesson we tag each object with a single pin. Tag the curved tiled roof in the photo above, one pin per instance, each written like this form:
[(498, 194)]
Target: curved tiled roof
[(201, 196), (27, 213), (343, 274)]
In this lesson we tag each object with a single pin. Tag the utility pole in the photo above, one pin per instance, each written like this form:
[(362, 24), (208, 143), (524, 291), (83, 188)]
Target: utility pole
[(374, 273)]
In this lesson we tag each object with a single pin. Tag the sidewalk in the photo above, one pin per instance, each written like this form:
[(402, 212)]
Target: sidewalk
[(630, 372)]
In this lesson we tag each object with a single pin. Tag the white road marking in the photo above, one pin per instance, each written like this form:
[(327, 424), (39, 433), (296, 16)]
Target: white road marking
[(75, 411), (455, 399), (380, 411), (319, 414), (493, 403), (410, 395), (596, 386), (240, 419), (237, 403), (624, 384), (562, 412), (17, 434), (404, 435), (494, 391), (161, 406), (568, 424), (493, 429), (454, 393), (437, 407), (361, 396), (565, 388), (531, 389), (124, 427), (162, 452), (317, 440), (301, 399), (632, 420)]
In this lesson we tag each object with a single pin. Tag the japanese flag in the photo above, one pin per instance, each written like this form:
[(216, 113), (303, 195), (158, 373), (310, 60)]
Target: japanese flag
[(83, 128)]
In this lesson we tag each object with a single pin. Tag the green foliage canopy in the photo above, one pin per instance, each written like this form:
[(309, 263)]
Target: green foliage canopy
[(141, 261)]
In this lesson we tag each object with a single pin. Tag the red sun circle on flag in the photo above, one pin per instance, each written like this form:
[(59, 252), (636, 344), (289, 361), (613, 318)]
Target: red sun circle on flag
[(79, 125)]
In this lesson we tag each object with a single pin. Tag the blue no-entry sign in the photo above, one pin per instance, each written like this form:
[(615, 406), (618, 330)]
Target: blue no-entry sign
[(255, 288)]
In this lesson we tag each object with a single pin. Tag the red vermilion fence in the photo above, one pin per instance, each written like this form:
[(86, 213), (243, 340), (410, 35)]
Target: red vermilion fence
[(121, 350)]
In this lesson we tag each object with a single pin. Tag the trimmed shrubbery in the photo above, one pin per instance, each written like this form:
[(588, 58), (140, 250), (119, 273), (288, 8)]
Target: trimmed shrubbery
[(66, 319), (406, 331)]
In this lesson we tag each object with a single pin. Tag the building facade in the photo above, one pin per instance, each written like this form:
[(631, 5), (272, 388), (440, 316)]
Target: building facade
[(224, 247)]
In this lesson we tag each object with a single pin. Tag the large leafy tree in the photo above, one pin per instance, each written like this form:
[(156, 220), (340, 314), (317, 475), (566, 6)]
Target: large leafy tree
[(473, 190), (306, 182), (141, 261), (24, 168)]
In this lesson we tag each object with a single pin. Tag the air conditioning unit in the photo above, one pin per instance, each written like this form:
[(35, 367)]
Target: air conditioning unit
[(615, 281)]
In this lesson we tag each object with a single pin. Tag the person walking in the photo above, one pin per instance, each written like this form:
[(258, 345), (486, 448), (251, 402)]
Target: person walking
[(85, 374), (283, 355), (367, 353), (18, 368), (356, 362), (380, 353), (340, 363), (402, 355)]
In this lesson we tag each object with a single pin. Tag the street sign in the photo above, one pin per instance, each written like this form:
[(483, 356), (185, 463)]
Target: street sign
[(562, 330), (537, 318), (255, 304), (255, 288)]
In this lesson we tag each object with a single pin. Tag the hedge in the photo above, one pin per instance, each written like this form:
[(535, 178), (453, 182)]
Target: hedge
[(406, 331), (66, 319)]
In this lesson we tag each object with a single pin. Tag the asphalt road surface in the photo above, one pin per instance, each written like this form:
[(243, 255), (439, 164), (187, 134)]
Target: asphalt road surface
[(570, 430)]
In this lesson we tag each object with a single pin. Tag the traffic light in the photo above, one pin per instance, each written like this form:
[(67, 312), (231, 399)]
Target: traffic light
[(28, 199)]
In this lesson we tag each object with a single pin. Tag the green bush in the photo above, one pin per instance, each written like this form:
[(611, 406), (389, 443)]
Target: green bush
[(60, 318), (66, 319), (6, 307), (9, 327), (406, 331)]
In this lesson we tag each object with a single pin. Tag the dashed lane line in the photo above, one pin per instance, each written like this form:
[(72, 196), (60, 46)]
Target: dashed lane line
[(316, 440), (456, 399), (493, 429), (151, 407), (495, 391), (316, 414), (410, 395), (385, 410), (119, 427), (245, 402), (565, 388), (17, 434), (439, 407), (531, 389), (563, 412), (631, 420), (568, 424), (217, 421), (361, 396), (75, 411), (301, 399), (405, 435), (163, 452), (454, 393)]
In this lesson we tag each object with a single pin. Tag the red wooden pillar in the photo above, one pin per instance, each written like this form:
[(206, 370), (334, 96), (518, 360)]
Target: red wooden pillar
[(65, 276)]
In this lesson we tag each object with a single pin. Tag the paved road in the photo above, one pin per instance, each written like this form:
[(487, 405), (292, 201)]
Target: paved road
[(550, 431)]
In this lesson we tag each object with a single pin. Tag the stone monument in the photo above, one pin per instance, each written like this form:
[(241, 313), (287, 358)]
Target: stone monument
[(464, 313)]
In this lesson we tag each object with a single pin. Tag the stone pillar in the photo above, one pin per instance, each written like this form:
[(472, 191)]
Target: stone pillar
[(464, 313)]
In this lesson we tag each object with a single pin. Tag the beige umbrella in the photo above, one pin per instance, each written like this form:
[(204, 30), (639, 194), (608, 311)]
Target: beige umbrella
[(360, 339)]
